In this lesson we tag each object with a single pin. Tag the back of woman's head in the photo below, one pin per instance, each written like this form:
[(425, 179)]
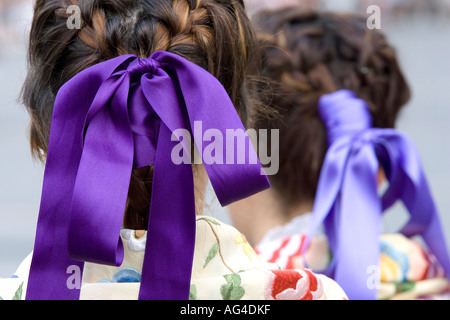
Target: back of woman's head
[(214, 34), (306, 55)]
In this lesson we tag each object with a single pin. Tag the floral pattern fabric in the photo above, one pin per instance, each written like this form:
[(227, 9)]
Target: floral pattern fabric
[(225, 267), (407, 269)]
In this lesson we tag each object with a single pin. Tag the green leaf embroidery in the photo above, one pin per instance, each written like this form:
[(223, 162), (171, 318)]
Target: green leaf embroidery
[(18, 294), (212, 253), (232, 290), (213, 221), (406, 286), (193, 292)]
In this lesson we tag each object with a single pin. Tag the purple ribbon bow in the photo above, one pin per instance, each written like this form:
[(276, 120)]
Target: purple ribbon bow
[(347, 202), (107, 120)]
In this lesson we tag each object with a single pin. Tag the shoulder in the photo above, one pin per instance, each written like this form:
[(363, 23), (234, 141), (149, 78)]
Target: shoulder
[(14, 288), (227, 267)]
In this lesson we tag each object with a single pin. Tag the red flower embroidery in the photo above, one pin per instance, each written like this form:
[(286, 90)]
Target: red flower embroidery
[(293, 285)]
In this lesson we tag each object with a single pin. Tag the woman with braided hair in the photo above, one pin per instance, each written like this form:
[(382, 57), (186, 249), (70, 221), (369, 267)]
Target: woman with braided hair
[(119, 219), (337, 89)]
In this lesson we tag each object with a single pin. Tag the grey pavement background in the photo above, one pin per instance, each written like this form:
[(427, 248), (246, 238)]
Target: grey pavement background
[(20, 176), (423, 44)]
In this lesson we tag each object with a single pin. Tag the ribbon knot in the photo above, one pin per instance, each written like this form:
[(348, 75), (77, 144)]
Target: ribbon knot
[(347, 201), (344, 115), (114, 123), (141, 66)]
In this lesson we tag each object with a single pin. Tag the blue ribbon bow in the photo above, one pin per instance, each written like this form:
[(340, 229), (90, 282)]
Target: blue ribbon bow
[(347, 201)]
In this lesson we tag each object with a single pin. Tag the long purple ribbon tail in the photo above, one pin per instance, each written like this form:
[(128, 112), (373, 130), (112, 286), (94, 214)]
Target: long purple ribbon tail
[(347, 202), (109, 119)]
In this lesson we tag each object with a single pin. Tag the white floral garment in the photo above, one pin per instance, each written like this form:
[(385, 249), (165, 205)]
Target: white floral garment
[(407, 269), (225, 267)]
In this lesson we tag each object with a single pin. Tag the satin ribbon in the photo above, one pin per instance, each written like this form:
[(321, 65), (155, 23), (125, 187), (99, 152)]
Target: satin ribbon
[(347, 201), (107, 120)]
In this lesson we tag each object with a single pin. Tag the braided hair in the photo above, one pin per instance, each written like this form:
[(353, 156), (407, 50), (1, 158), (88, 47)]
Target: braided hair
[(306, 54), (214, 34)]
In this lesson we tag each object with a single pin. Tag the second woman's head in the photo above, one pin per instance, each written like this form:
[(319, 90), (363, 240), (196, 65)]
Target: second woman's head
[(308, 54)]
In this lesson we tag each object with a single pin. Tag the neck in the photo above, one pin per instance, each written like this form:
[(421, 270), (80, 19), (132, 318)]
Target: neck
[(256, 215)]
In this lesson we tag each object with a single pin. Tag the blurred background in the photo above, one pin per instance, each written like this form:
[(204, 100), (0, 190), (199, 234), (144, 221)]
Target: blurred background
[(419, 29)]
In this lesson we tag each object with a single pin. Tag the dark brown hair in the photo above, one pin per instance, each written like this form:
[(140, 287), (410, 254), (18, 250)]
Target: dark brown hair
[(307, 54), (214, 34)]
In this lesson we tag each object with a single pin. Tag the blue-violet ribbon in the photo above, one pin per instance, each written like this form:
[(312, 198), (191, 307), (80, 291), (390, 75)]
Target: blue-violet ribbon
[(348, 203)]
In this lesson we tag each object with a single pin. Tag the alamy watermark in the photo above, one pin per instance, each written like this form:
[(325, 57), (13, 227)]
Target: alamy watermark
[(374, 276), (232, 148), (236, 149), (74, 17), (74, 279), (374, 21)]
